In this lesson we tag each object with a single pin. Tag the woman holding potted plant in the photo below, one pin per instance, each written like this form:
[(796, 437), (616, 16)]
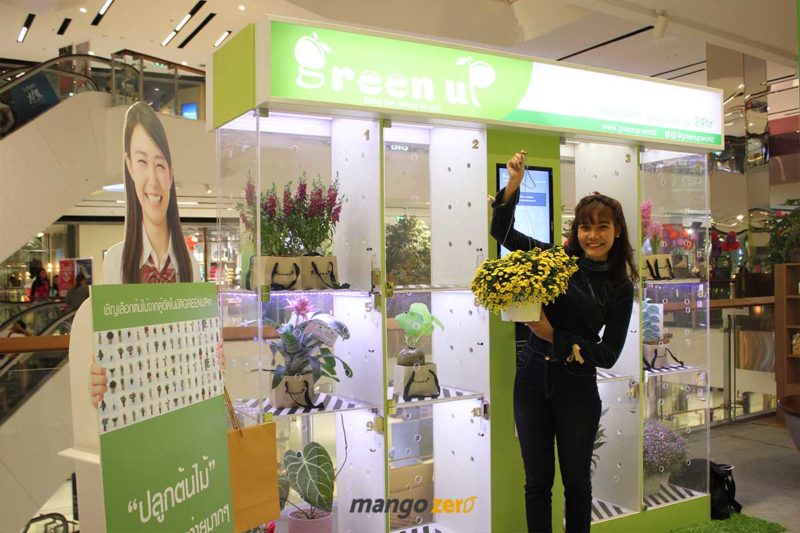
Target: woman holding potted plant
[(555, 389)]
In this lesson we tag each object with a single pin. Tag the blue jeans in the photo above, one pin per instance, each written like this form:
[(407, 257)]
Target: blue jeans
[(556, 401)]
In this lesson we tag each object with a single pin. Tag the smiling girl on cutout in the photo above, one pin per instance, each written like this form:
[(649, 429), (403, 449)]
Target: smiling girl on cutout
[(153, 250), (555, 389)]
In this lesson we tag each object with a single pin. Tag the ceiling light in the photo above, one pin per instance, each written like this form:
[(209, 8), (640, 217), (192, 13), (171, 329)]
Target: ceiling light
[(156, 89), (197, 30), (183, 21), (27, 25), (741, 85), (100, 14), (91, 53), (241, 7), (188, 203), (116, 187), (168, 38), (105, 7), (209, 190), (40, 234), (82, 9), (222, 38), (739, 217), (120, 201), (184, 63)]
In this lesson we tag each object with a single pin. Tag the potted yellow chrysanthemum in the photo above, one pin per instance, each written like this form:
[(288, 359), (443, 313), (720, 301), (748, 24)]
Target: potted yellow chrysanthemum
[(517, 285)]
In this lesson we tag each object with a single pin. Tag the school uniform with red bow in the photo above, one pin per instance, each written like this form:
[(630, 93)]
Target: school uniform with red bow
[(151, 270)]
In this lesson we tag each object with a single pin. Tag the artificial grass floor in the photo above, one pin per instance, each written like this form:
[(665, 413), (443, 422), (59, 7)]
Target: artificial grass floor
[(737, 523)]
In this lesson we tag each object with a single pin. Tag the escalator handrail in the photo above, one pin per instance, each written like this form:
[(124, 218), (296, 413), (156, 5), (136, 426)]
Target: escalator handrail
[(50, 62), (12, 359), (16, 317)]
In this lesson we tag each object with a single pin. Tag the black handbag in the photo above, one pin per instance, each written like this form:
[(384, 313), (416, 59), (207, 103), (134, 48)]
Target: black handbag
[(723, 492)]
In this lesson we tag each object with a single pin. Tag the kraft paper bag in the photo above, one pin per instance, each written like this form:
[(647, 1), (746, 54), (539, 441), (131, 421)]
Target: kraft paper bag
[(252, 454)]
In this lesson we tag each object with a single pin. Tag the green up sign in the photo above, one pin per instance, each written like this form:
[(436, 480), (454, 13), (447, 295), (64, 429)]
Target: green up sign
[(353, 69)]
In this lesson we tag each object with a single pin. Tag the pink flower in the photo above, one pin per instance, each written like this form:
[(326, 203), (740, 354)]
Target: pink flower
[(656, 229), (333, 195), (288, 203), (271, 205), (317, 205), (301, 307), (647, 215), (248, 225), (335, 215), (250, 193), (302, 191)]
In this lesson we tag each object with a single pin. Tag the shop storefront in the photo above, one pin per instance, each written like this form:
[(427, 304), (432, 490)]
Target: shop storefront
[(388, 147)]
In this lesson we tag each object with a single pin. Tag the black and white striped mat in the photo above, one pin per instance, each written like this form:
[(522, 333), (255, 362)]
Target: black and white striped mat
[(329, 403), (602, 510), (669, 370), (669, 494)]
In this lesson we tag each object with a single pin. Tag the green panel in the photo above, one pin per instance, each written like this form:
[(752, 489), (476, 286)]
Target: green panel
[(508, 477), (234, 77), (313, 64), (663, 519)]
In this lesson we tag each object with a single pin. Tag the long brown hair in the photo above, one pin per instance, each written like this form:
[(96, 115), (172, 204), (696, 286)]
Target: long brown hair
[(599, 207), (141, 114)]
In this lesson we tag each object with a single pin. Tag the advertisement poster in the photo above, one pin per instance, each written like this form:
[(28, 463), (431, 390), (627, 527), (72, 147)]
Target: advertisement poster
[(163, 436), (66, 276), (32, 98), (68, 269)]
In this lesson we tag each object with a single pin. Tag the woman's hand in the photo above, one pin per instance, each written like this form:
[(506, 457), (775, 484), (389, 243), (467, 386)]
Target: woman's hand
[(516, 169), (542, 328), (98, 383)]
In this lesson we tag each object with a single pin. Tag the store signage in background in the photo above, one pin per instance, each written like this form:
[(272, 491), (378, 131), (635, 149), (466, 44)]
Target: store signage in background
[(32, 97), (353, 69), (163, 437), (68, 269)]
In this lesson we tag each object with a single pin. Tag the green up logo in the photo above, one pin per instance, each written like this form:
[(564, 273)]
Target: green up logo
[(313, 72)]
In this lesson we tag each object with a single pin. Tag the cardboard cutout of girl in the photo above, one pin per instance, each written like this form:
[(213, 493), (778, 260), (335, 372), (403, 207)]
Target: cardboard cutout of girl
[(153, 250)]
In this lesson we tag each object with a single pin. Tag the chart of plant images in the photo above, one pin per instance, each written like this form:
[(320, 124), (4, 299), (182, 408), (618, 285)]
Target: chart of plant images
[(156, 369)]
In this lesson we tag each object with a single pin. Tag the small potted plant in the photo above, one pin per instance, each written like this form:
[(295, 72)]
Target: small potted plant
[(784, 235), (412, 375), (306, 347), (517, 285), (664, 452)]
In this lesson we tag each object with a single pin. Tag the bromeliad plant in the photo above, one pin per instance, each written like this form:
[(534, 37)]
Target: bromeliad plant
[(522, 277), (305, 344)]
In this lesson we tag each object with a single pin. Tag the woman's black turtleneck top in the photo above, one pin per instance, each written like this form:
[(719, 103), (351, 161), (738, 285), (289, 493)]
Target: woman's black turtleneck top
[(591, 302)]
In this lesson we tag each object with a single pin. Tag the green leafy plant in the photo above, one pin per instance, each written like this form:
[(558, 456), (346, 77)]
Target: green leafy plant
[(305, 344), (408, 251), (416, 323), (310, 474), (784, 235)]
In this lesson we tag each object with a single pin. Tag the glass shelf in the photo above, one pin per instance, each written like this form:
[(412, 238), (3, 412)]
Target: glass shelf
[(429, 288), (669, 494), (668, 370), (679, 281), (602, 510), (449, 394), (331, 403), (606, 377)]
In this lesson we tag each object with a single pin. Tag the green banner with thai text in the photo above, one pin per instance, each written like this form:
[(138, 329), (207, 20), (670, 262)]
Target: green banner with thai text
[(163, 436)]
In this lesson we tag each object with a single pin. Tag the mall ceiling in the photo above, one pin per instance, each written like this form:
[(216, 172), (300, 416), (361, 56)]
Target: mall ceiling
[(617, 34)]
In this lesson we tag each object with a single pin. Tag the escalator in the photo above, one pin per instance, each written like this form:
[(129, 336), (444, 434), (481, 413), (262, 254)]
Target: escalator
[(21, 374), (37, 316), (35, 419)]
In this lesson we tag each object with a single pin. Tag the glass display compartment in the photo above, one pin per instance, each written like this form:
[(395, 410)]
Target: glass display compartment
[(676, 341)]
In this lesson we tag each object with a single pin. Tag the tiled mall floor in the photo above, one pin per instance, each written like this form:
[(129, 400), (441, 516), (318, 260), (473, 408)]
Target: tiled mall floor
[(767, 469)]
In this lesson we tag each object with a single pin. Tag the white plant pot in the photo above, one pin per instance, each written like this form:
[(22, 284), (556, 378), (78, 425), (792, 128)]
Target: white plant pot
[(527, 312), (652, 484)]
